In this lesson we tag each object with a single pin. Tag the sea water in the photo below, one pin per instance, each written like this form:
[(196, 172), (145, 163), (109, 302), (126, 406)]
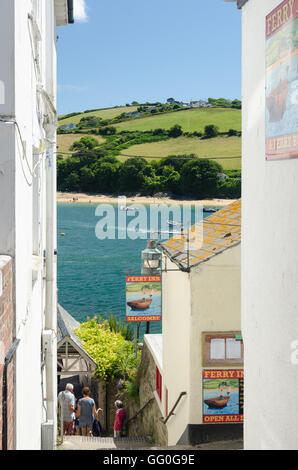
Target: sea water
[(92, 272)]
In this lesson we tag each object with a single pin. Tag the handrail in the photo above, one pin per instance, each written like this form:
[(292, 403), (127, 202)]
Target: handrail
[(164, 421), (140, 411)]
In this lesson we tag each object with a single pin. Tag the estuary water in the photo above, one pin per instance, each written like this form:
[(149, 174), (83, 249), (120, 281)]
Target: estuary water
[(91, 271)]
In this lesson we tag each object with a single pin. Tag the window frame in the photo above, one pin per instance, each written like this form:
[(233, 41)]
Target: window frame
[(206, 349), (158, 383)]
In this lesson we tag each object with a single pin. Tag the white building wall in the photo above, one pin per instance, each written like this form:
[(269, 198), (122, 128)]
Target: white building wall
[(176, 348), (7, 142), (27, 65), (215, 307), (6, 58), (207, 300), (269, 259)]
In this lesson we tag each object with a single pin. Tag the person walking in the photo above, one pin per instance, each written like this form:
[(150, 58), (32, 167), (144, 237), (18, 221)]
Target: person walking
[(66, 402), (120, 418), (86, 412)]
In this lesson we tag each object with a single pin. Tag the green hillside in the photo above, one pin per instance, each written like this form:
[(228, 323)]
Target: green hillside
[(222, 146), (65, 141), (109, 113), (106, 157), (191, 120)]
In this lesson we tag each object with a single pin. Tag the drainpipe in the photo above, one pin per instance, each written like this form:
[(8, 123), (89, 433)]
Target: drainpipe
[(50, 327), (8, 359)]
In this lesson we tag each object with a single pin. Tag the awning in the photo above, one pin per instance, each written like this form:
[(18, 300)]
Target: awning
[(72, 358)]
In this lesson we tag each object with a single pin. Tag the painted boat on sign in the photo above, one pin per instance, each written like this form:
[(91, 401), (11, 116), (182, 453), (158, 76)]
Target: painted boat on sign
[(218, 402), (141, 304)]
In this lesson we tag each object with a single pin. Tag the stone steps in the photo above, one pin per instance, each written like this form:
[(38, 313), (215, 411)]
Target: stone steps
[(103, 443), (139, 443)]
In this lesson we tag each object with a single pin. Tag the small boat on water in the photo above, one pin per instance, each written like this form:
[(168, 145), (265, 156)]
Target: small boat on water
[(131, 208), (218, 402), (141, 304), (175, 224), (208, 209)]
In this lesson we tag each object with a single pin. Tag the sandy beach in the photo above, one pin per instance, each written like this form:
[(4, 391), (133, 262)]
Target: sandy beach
[(104, 199)]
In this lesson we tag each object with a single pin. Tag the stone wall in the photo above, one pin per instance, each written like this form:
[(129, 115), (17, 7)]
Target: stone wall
[(147, 423), (6, 339), (105, 395)]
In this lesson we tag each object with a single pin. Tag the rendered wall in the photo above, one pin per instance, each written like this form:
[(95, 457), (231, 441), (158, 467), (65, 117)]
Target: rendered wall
[(6, 58), (27, 65), (176, 328), (215, 306), (206, 300), (269, 259)]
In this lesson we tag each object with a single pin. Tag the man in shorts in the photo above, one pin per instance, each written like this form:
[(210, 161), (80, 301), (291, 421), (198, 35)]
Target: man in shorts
[(67, 402)]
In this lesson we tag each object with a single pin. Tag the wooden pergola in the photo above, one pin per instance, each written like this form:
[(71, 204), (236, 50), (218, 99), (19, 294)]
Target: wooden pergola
[(72, 358)]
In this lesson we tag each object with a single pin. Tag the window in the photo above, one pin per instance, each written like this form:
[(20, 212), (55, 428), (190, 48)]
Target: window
[(222, 348), (158, 383)]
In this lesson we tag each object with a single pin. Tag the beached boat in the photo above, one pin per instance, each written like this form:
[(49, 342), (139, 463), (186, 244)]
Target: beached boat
[(141, 304), (218, 402)]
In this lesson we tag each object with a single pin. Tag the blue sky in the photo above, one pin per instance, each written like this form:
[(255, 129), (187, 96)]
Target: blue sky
[(119, 51)]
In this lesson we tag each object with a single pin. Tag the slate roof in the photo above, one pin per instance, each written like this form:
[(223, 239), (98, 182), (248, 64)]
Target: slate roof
[(65, 328), (208, 238)]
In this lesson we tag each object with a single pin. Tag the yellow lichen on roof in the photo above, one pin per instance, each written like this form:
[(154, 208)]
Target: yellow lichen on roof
[(207, 238)]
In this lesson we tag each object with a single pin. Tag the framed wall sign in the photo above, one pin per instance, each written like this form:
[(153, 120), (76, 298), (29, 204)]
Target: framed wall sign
[(223, 396), (143, 298), (282, 81)]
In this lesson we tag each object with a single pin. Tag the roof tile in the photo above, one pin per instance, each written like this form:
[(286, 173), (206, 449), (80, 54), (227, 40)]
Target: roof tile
[(211, 236)]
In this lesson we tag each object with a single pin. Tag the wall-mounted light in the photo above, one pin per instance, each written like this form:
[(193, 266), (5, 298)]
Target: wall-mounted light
[(151, 257)]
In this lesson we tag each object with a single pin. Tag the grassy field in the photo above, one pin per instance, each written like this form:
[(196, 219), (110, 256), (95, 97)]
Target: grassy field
[(206, 148), (191, 120), (102, 113), (65, 141)]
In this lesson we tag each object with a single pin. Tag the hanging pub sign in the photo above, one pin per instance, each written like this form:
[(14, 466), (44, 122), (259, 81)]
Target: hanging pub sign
[(282, 81), (223, 396), (143, 298)]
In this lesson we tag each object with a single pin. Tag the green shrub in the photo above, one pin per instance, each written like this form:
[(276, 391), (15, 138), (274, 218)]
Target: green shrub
[(211, 131), (200, 177), (109, 130), (175, 131), (114, 356), (86, 142), (230, 187), (116, 325)]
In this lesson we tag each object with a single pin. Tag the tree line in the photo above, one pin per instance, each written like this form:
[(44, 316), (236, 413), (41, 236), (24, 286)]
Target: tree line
[(94, 171)]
